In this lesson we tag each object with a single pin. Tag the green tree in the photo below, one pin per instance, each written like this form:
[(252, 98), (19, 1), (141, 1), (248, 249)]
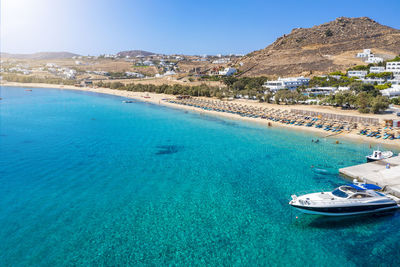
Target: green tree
[(368, 88), (379, 104), (229, 80), (397, 58), (363, 102), (359, 67), (395, 101), (268, 97)]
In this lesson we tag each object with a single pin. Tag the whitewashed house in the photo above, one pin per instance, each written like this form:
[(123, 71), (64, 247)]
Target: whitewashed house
[(68, 73), (51, 65), (170, 72), (373, 59), (221, 61), (394, 81), (357, 73), (320, 91), (394, 67), (373, 80), (134, 74), (365, 53), (376, 69), (227, 71), (394, 91), (274, 85), (370, 57), (286, 83), (148, 63)]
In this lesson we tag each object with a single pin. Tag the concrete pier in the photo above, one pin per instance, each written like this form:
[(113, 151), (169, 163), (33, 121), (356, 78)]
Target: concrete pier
[(377, 173)]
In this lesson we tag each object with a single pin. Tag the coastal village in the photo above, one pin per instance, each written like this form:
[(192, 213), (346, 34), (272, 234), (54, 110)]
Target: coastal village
[(88, 70), (122, 66), (139, 67)]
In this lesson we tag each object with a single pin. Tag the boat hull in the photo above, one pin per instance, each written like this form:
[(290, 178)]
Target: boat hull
[(372, 160), (346, 211)]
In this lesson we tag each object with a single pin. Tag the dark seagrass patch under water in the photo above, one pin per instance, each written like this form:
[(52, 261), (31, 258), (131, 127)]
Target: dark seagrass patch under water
[(168, 149)]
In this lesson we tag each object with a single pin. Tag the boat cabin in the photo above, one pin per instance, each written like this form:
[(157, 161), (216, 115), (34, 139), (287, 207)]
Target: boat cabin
[(353, 191)]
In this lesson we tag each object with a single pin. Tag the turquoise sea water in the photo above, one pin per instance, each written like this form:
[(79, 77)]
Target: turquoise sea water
[(88, 180)]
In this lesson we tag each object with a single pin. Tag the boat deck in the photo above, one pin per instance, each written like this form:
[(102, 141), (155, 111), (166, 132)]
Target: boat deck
[(377, 173)]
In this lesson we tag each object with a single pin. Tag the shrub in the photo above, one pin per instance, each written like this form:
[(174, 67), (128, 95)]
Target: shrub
[(328, 33)]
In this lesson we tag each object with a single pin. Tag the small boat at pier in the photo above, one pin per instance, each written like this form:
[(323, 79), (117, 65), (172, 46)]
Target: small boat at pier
[(379, 155), (352, 199), (128, 101)]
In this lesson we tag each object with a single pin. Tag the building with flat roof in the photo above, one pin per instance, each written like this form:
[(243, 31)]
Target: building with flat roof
[(365, 53), (377, 69), (227, 71), (290, 83), (391, 92), (320, 91), (394, 67), (373, 80), (357, 73)]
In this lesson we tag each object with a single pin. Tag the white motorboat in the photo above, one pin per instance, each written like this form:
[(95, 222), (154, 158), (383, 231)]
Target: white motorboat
[(379, 155), (352, 199)]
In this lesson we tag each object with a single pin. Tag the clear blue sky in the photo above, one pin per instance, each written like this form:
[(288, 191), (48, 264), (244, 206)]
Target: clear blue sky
[(170, 26)]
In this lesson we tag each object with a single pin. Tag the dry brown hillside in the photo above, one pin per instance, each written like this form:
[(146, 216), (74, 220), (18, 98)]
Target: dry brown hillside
[(327, 47)]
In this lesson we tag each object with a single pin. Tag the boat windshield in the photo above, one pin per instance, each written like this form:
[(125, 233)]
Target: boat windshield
[(339, 193)]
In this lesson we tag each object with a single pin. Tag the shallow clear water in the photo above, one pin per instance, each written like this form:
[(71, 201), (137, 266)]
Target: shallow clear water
[(88, 180)]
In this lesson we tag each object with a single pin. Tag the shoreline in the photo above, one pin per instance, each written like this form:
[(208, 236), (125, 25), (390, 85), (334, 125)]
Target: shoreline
[(158, 100)]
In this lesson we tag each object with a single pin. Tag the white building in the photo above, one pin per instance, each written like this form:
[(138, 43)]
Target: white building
[(51, 65), (100, 72), (320, 91), (68, 73), (394, 91), (370, 58), (365, 53), (357, 73), (396, 74), (337, 77), (394, 67), (377, 69), (21, 70), (373, 80), (227, 71), (170, 72), (221, 61), (286, 83), (394, 81), (134, 74), (373, 59), (148, 63)]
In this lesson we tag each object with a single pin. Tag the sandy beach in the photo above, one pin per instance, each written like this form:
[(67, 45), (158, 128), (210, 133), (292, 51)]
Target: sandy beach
[(159, 99)]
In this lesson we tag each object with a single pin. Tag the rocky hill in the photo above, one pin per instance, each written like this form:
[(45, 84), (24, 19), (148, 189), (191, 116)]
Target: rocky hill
[(327, 47), (40, 55), (134, 53)]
